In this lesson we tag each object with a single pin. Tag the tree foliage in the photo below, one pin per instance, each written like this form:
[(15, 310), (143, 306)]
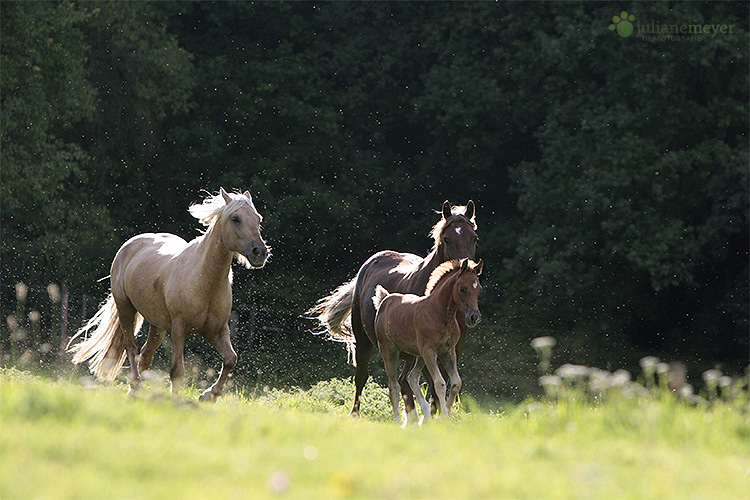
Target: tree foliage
[(610, 173)]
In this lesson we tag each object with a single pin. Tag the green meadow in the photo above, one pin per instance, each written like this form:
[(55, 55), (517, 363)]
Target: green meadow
[(68, 439)]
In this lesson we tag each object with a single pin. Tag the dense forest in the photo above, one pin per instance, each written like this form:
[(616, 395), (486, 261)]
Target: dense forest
[(610, 172)]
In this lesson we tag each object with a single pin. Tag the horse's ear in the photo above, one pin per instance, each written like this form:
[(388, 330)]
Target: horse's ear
[(248, 195), (478, 267), (470, 210), (446, 209), (464, 266), (224, 195)]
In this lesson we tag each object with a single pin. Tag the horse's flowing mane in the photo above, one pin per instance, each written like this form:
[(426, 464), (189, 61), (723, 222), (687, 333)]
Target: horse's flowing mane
[(439, 273), (457, 213), (214, 206)]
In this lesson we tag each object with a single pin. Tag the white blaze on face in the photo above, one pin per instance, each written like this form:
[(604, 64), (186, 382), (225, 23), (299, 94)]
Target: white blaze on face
[(475, 284), (458, 230)]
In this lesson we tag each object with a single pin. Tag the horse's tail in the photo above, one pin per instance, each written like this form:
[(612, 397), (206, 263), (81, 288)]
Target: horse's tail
[(380, 294), (334, 313), (104, 347)]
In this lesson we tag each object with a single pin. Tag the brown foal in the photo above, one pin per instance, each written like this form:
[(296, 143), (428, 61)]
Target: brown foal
[(427, 327)]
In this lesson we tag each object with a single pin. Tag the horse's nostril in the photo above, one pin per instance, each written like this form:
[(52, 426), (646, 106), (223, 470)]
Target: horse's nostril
[(257, 251)]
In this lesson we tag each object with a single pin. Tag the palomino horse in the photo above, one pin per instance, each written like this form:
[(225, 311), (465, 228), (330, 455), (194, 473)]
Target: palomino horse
[(348, 314), (180, 287), (427, 327)]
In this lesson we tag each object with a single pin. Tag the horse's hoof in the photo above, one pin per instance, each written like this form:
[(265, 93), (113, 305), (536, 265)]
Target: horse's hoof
[(134, 389), (207, 396), (354, 414), (412, 417)]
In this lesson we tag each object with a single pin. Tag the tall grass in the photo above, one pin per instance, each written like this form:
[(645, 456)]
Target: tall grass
[(59, 439)]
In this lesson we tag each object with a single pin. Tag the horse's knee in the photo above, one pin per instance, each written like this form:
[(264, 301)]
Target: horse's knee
[(176, 372), (440, 385), (230, 360), (456, 385)]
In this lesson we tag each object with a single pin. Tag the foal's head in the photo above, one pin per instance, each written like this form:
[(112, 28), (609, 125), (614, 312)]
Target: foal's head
[(455, 233), (463, 278), (238, 222)]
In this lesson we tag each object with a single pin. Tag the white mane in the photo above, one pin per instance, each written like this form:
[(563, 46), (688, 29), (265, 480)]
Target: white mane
[(212, 208)]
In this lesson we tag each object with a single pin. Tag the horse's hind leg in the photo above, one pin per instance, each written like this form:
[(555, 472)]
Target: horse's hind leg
[(390, 359), (413, 379), (223, 344), (406, 390), (154, 340), (430, 359), (362, 353), (362, 356), (451, 363), (127, 314)]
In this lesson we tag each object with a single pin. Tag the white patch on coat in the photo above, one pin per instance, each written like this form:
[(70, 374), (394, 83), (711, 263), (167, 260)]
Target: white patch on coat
[(458, 230)]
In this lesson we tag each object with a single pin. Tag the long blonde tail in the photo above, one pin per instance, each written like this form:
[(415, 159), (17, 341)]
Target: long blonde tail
[(104, 347), (333, 314)]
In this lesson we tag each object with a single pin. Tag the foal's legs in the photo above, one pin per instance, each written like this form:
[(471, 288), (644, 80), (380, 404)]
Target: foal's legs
[(459, 347), (430, 359), (223, 344), (413, 379), (450, 361), (390, 359), (154, 340), (406, 392)]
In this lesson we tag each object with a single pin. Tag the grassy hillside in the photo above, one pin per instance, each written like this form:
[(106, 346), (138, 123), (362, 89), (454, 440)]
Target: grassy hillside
[(59, 439)]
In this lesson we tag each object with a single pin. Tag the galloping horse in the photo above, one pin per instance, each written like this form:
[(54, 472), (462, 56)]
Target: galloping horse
[(180, 287), (427, 327), (348, 314)]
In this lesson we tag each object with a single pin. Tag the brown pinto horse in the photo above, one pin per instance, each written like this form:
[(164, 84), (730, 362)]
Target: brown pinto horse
[(181, 287), (348, 314), (427, 327)]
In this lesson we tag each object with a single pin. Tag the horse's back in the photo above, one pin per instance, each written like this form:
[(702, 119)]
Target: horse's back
[(397, 318), (140, 270), (386, 268), (152, 250)]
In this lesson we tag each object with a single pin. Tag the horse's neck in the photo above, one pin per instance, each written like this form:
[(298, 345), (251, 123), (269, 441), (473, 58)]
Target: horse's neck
[(215, 260), (424, 270), (441, 299)]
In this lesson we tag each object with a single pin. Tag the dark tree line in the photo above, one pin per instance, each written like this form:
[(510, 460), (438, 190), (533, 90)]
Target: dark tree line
[(610, 173)]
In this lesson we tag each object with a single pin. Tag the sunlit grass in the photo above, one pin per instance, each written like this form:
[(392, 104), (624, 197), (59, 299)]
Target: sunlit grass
[(60, 440)]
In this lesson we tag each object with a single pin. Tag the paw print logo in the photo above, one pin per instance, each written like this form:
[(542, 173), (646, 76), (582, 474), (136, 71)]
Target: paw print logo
[(622, 24)]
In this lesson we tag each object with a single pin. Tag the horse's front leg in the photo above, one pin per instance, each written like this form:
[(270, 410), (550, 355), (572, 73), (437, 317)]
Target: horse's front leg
[(178, 356), (450, 361), (223, 344), (464, 330), (430, 359)]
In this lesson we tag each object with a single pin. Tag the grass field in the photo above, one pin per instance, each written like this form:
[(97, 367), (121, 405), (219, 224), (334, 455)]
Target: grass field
[(62, 439)]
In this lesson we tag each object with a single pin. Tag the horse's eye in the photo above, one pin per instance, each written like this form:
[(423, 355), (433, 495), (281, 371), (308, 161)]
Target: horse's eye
[(462, 289), (446, 240), (236, 219)]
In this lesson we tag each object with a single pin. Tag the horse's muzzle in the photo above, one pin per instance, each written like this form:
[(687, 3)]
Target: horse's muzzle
[(257, 256), (472, 317)]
